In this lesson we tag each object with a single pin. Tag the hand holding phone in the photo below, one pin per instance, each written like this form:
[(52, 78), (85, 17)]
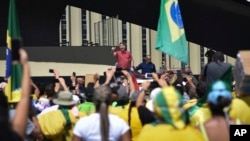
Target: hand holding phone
[(148, 75), (51, 70)]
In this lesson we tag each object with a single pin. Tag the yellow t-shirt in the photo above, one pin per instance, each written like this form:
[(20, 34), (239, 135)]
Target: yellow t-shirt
[(135, 122), (190, 103), (164, 132), (240, 110), (201, 115), (53, 125)]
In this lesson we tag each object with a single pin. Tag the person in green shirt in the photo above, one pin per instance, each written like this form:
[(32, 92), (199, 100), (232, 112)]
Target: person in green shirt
[(88, 106)]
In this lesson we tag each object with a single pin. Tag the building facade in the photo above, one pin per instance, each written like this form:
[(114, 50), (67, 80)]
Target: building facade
[(79, 27)]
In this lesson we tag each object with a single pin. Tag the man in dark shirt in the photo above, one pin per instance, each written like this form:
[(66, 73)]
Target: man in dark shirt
[(147, 66)]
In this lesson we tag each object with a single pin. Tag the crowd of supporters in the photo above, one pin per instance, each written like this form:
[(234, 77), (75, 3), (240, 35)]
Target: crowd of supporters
[(172, 107)]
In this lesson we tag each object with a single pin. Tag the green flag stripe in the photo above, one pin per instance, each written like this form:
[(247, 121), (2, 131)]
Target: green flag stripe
[(13, 24), (162, 104)]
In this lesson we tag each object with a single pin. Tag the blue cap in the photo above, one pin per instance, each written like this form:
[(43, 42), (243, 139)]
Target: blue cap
[(219, 88)]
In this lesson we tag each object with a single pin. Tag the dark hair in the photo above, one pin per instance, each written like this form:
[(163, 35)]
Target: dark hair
[(49, 90), (218, 56), (123, 44), (218, 109), (209, 54), (178, 85), (4, 118), (131, 105), (102, 98), (89, 91), (201, 88)]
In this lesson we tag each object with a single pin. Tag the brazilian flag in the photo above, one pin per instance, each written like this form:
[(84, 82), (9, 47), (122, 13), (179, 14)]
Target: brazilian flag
[(13, 68), (171, 38)]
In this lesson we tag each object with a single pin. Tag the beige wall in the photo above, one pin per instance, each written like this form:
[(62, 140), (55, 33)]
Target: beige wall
[(76, 26), (94, 18), (136, 44), (155, 54), (230, 60), (194, 57)]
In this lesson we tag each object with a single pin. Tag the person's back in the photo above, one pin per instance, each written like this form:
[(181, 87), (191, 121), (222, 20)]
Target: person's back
[(216, 69), (200, 112), (219, 99), (131, 117), (220, 133), (87, 107), (58, 124), (162, 132), (172, 121), (101, 126)]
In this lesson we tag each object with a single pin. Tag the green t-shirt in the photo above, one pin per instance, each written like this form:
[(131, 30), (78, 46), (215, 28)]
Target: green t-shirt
[(87, 107)]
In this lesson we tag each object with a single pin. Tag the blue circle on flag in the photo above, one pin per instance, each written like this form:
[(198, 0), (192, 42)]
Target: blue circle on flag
[(176, 14)]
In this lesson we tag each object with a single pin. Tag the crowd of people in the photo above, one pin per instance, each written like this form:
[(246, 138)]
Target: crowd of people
[(170, 108)]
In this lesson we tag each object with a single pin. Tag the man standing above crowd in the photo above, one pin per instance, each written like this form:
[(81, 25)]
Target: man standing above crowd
[(217, 69), (124, 57), (147, 66)]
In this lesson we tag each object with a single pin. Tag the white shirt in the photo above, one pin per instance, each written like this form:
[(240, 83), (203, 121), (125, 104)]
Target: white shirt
[(88, 128)]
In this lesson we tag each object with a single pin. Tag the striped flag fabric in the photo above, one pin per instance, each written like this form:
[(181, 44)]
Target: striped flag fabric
[(13, 68), (171, 38)]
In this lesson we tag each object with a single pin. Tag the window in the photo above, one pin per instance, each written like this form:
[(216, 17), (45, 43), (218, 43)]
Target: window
[(64, 41), (144, 43), (84, 28)]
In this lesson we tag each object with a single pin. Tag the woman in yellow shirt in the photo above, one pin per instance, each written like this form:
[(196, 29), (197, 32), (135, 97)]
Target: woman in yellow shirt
[(172, 120)]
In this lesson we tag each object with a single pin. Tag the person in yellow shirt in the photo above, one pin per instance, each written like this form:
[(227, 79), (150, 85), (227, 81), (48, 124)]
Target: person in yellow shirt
[(57, 124), (172, 121), (199, 111)]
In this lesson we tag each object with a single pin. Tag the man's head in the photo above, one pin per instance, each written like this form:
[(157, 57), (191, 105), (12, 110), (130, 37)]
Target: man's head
[(218, 57), (209, 54), (122, 46), (80, 80), (148, 58)]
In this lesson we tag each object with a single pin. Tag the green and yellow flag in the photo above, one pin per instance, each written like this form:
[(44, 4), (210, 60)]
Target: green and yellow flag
[(171, 37), (13, 68)]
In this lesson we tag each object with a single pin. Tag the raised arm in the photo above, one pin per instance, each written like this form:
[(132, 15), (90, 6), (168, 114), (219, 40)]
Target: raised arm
[(22, 109), (61, 82), (96, 80), (130, 80), (109, 75), (37, 90), (162, 80), (113, 51), (140, 99)]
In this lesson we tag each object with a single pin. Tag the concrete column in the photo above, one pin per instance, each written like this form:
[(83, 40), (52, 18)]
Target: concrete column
[(128, 25), (94, 18), (155, 54), (75, 26), (194, 57), (230, 60), (136, 44), (174, 63)]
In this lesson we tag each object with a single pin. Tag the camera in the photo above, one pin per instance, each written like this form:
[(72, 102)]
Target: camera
[(118, 72), (72, 87), (148, 75), (51, 70)]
